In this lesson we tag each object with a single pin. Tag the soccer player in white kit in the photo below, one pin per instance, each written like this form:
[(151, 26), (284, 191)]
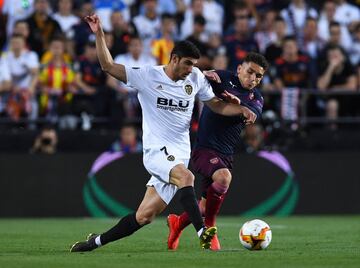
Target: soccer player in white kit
[(167, 95)]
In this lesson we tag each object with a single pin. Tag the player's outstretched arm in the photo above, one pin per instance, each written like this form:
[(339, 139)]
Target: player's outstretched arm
[(229, 109), (106, 61)]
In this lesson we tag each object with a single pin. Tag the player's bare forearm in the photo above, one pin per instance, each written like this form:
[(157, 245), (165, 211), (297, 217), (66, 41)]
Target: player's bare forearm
[(106, 61), (230, 109)]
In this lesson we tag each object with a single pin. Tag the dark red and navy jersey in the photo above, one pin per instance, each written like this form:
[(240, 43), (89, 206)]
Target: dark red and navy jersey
[(91, 72), (222, 133), (294, 74)]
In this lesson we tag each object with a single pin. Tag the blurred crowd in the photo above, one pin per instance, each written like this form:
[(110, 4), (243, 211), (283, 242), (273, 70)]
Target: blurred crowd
[(49, 69)]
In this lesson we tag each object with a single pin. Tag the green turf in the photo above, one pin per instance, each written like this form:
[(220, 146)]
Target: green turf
[(297, 242)]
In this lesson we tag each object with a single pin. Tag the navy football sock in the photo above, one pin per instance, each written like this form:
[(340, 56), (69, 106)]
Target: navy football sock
[(190, 205), (125, 227)]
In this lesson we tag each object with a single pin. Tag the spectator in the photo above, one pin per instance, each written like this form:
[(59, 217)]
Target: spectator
[(354, 52), (3, 35), (65, 16), (45, 142), (330, 29), (81, 33), (313, 44), (290, 73), (48, 55), (197, 38), (16, 10), (21, 27), (57, 87), (295, 17), (128, 140), (220, 62), (214, 24), (242, 9), (187, 25), (161, 47), (91, 97), (148, 25), (337, 74), (121, 32), (104, 9), (240, 43), (336, 36), (24, 66), (215, 45), (5, 84), (266, 35), (42, 27), (347, 14), (292, 69), (135, 57), (274, 50)]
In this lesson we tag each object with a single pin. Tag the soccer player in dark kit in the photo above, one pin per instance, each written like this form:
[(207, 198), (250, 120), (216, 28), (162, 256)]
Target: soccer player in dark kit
[(217, 138)]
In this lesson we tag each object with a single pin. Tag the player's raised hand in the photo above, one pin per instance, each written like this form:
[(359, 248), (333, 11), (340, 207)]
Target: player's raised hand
[(94, 22), (212, 75), (231, 98), (250, 116)]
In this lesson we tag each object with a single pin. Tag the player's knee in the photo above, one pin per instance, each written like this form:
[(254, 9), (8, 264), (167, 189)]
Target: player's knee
[(223, 177), (187, 178), (144, 218)]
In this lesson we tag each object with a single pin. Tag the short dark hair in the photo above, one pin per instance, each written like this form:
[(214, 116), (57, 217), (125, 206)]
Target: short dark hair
[(199, 19), (334, 24), (289, 38), (239, 5), (167, 16), (134, 37), (279, 18), (21, 21), (128, 125), (333, 47), (185, 49), (91, 44), (311, 18), (58, 38), (258, 59), (17, 35)]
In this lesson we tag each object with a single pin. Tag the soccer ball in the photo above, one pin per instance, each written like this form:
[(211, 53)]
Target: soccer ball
[(255, 235)]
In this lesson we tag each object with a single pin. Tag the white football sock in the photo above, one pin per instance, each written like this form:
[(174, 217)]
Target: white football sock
[(98, 241), (200, 231)]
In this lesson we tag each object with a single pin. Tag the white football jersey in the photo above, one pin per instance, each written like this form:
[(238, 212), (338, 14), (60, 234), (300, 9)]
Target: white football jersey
[(20, 67), (167, 106)]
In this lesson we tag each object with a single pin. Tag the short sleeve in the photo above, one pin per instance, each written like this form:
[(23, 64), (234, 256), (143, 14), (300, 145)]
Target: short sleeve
[(136, 76), (205, 90)]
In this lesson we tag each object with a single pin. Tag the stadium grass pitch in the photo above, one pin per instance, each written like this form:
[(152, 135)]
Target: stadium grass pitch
[(320, 241)]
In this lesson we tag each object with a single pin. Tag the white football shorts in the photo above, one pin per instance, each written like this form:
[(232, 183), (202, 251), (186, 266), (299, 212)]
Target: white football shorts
[(159, 161)]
